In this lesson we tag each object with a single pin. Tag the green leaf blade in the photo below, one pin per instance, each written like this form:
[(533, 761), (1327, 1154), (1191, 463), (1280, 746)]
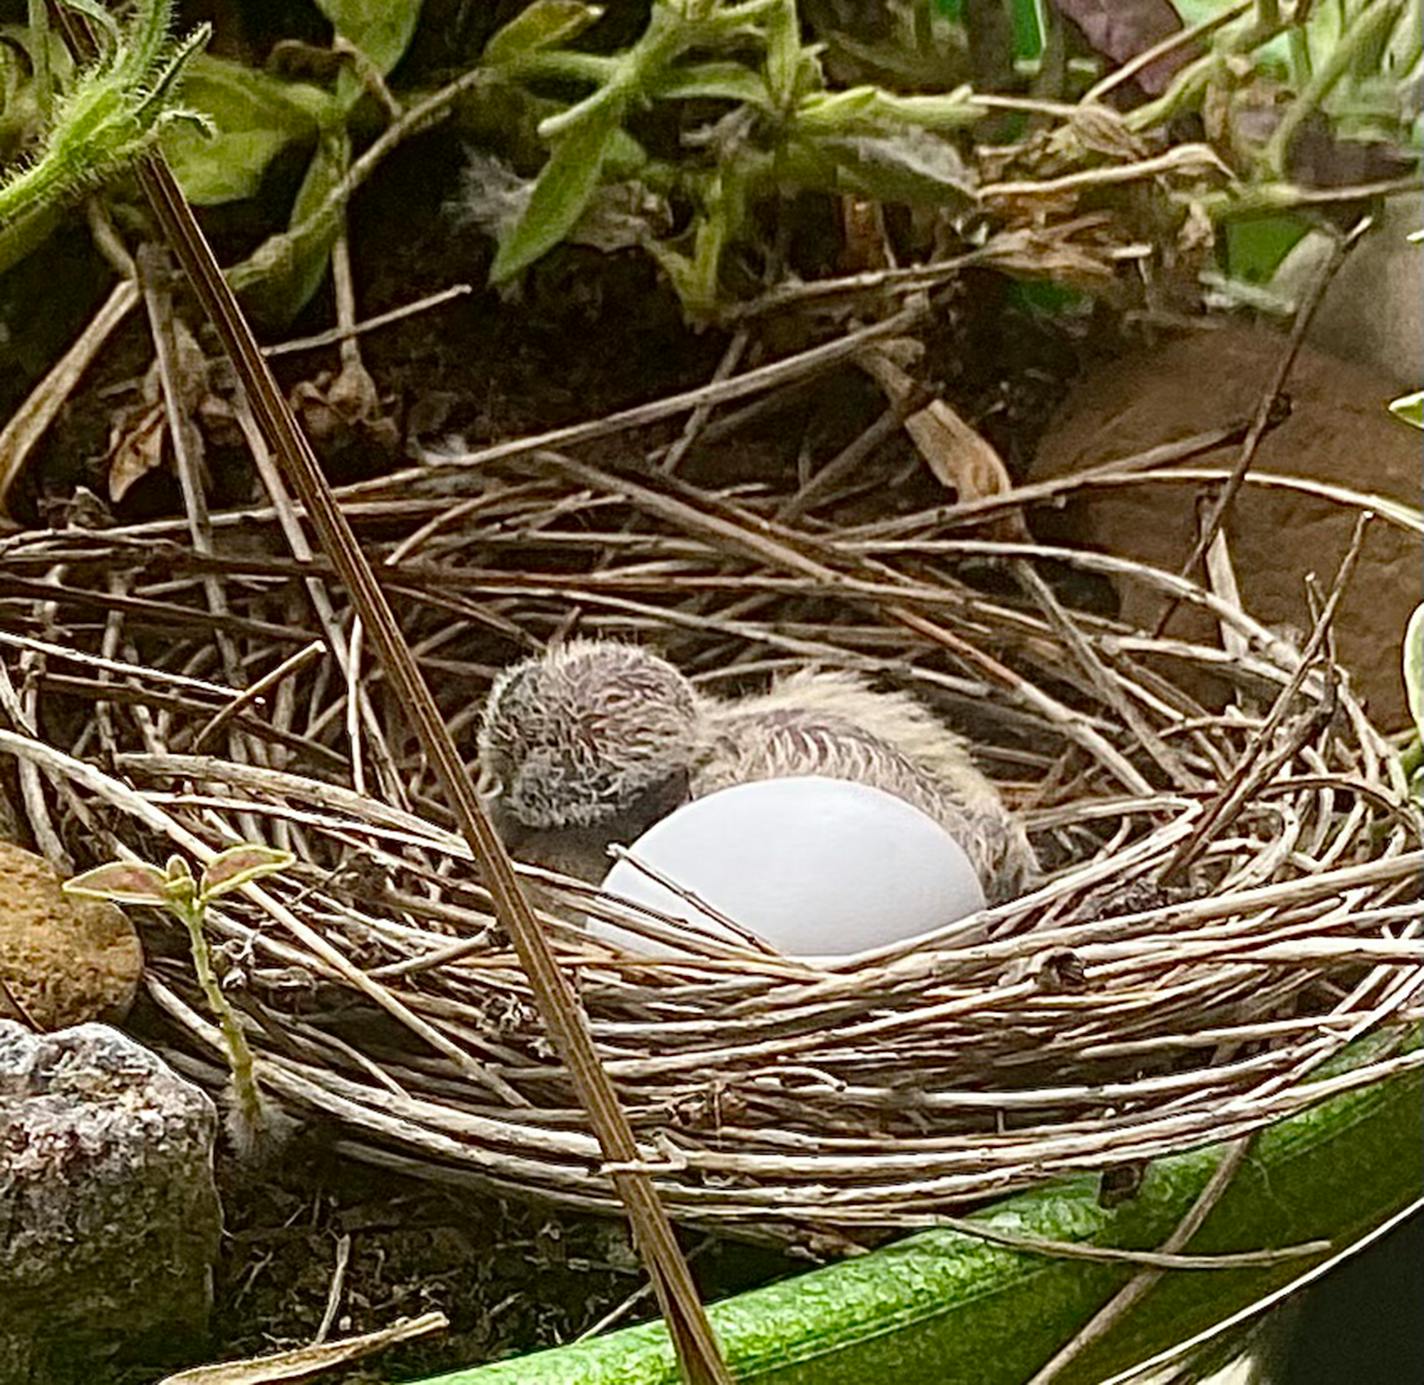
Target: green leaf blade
[(381, 29), (255, 116), (1414, 667), (121, 882), (543, 24), (1410, 408), (240, 865), (566, 183)]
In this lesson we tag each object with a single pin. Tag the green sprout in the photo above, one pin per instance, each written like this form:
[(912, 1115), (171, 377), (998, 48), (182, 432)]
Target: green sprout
[(174, 889)]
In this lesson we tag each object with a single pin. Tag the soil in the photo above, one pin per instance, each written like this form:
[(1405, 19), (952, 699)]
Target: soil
[(510, 1276)]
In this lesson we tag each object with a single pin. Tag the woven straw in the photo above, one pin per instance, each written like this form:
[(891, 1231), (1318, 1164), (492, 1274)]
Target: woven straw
[(1233, 857)]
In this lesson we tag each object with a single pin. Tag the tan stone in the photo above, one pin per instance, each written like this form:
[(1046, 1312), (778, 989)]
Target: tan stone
[(65, 960), (1339, 430)]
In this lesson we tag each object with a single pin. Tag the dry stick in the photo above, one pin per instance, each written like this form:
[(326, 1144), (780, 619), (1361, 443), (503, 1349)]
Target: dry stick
[(1265, 409), (392, 782), (306, 1363), (1126, 1298), (355, 378), (1249, 772), (28, 423), (253, 694), (1102, 680), (1180, 39), (687, 1322), (335, 335), (671, 459), (967, 513), (1182, 158), (333, 1294), (798, 367), (697, 421), (959, 456), (843, 465), (153, 268)]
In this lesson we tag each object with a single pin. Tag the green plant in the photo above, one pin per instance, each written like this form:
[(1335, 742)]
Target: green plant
[(102, 117), (762, 119), (174, 889), (235, 120), (773, 123)]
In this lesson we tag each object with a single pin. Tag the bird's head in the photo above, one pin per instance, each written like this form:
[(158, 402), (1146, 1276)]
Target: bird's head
[(583, 746)]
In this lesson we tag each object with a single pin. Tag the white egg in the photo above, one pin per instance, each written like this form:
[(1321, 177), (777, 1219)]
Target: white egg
[(815, 867)]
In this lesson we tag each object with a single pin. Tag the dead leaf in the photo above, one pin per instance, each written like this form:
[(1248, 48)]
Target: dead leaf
[(135, 447), (959, 458), (139, 434), (305, 1362), (345, 409)]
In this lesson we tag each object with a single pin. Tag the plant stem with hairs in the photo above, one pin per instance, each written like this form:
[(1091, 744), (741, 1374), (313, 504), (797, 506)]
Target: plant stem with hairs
[(113, 111)]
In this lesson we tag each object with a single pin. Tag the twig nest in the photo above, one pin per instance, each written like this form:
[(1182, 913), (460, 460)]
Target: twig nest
[(814, 867), (64, 960)]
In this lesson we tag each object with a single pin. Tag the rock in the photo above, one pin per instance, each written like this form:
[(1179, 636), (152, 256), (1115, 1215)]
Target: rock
[(1339, 430), (64, 959), (109, 1216)]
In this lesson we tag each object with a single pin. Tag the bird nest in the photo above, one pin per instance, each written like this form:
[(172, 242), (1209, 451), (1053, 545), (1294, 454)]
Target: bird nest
[(1232, 858)]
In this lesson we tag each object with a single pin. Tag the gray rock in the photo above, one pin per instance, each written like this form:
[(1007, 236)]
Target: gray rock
[(109, 1216)]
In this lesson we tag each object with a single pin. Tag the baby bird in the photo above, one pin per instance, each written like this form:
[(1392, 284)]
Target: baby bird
[(592, 742)]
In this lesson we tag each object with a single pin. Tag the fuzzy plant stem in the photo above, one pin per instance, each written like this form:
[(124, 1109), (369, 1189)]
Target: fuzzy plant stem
[(109, 116), (239, 1055)]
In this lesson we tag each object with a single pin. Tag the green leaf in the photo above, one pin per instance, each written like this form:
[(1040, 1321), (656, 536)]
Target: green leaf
[(1414, 666), (1409, 407), (543, 24), (909, 166), (381, 29), (240, 865), (279, 278), (566, 183), (255, 117), (1256, 246), (124, 882), (714, 82)]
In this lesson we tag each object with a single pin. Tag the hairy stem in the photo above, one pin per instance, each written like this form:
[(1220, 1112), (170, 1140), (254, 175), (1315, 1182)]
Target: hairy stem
[(239, 1055)]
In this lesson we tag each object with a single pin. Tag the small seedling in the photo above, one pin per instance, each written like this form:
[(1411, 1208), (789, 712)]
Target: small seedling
[(174, 889)]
